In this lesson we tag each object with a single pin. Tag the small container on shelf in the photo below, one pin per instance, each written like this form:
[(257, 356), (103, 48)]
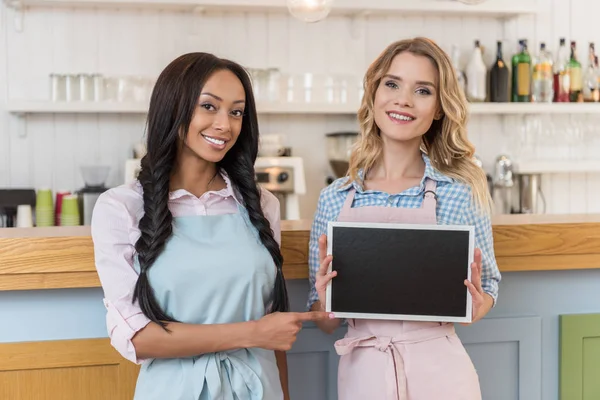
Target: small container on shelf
[(58, 87)]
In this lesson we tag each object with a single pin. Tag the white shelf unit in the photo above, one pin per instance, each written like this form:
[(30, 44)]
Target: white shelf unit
[(496, 8), (534, 108), (557, 167), (48, 107)]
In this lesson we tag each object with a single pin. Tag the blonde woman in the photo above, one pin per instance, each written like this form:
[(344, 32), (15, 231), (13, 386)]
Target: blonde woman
[(412, 163)]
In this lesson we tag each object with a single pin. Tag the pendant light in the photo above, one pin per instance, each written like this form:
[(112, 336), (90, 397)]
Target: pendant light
[(309, 10)]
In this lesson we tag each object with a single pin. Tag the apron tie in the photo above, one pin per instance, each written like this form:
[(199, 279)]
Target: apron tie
[(396, 379), (220, 367)]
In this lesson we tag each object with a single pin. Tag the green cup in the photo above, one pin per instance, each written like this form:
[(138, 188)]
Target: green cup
[(44, 199), (69, 214), (44, 208)]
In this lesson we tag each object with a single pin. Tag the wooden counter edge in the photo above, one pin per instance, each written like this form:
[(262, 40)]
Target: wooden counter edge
[(62, 257)]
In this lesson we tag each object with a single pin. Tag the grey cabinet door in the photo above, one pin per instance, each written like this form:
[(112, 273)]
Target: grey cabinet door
[(313, 364), (506, 352)]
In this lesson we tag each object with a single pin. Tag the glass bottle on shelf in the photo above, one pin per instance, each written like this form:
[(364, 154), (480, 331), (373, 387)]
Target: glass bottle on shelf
[(575, 78), (521, 79), (561, 75), (597, 68), (590, 82), (460, 75), (499, 78), (543, 91), (476, 76)]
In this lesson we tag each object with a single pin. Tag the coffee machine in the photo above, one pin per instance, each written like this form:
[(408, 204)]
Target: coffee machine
[(284, 178), (531, 197), (503, 185), (339, 148), (517, 191), (94, 177), (10, 200)]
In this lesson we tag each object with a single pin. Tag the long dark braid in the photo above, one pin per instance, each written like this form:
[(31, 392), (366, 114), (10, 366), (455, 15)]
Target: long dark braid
[(172, 106)]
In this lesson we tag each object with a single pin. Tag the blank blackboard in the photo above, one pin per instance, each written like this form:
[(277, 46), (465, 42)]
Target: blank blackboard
[(400, 271)]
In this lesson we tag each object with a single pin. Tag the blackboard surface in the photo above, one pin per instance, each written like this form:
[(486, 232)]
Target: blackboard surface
[(400, 271)]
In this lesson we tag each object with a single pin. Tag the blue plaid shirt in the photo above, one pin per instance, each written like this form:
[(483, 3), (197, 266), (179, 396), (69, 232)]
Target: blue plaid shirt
[(454, 207)]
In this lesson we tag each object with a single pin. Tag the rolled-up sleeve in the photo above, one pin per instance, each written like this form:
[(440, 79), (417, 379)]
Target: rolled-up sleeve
[(484, 240), (113, 251)]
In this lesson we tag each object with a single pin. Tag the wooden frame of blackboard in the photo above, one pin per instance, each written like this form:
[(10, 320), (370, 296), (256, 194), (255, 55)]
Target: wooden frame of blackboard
[(466, 318)]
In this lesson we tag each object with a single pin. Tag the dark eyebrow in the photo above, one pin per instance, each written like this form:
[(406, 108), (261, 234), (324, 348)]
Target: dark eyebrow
[(397, 78), (220, 99)]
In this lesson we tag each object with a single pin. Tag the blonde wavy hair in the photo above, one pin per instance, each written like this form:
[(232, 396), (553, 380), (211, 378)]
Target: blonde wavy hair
[(445, 142)]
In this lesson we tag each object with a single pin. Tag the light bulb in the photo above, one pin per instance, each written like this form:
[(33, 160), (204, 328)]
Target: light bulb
[(309, 10)]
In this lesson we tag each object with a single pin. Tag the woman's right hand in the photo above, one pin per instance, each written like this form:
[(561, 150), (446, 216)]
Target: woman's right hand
[(323, 277), (278, 330)]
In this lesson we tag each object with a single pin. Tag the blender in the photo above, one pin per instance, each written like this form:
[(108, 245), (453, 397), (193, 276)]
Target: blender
[(339, 148), (94, 178)]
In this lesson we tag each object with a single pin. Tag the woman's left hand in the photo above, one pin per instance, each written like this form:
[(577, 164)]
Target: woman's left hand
[(474, 286)]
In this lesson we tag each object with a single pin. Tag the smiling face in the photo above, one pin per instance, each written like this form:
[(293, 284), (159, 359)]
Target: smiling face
[(406, 100), (217, 120)]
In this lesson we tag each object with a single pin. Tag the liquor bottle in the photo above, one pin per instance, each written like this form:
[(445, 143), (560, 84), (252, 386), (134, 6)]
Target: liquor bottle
[(476, 76), (590, 82), (561, 76), (460, 75), (521, 79), (597, 68), (499, 78), (575, 78), (543, 91)]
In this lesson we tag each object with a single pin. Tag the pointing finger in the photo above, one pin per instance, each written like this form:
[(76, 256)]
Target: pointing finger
[(312, 316)]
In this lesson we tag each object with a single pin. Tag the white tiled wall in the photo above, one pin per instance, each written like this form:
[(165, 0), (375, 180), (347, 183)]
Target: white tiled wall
[(46, 150)]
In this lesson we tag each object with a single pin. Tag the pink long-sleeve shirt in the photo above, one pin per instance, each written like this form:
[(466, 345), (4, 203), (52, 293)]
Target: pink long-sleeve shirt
[(115, 232)]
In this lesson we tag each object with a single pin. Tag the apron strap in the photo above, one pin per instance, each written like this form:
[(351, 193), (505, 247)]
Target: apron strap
[(430, 196), (348, 202)]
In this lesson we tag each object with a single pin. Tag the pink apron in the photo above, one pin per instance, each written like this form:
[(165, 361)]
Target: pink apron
[(402, 360)]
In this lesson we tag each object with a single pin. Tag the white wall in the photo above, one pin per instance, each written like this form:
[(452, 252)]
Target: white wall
[(46, 150)]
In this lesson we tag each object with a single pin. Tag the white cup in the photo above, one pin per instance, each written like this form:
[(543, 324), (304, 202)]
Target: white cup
[(24, 216)]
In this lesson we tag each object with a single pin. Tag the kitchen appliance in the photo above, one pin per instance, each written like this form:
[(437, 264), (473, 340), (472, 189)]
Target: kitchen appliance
[(271, 145), (339, 148), (10, 200), (132, 165), (530, 191), (284, 177), (517, 192), (94, 177), (132, 169), (503, 185)]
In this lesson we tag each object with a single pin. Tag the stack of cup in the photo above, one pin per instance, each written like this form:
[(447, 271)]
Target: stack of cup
[(44, 208), (58, 205), (69, 214), (24, 216)]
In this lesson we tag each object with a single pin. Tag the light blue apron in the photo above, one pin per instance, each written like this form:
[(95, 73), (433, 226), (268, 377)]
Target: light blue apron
[(213, 270)]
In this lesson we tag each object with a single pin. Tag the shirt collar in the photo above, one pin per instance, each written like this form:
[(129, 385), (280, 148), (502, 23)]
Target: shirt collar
[(430, 172), (227, 191)]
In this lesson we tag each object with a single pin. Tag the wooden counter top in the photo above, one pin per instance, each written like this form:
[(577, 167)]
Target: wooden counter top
[(62, 257)]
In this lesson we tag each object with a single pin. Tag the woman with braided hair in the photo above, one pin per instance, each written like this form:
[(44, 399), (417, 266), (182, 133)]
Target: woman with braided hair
[(188, 255)]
